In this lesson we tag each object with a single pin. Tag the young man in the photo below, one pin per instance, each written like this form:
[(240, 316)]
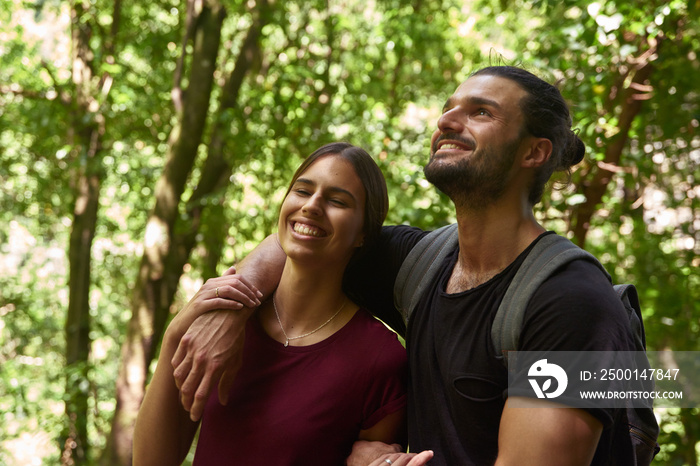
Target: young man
[(501, 136)]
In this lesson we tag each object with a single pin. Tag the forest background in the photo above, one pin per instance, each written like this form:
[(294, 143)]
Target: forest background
[(145, 147)]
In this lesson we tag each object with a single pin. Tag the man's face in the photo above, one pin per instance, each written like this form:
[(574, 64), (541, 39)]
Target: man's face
[(478, 137)]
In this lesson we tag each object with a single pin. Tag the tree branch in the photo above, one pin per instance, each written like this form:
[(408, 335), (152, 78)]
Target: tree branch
[(190, 27), (595, 188)]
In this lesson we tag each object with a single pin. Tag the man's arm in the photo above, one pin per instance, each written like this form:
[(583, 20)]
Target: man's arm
[(544, 433), (211, 349), (164, 431)]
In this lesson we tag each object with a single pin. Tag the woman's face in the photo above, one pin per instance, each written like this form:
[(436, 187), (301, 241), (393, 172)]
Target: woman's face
[(322, 217)]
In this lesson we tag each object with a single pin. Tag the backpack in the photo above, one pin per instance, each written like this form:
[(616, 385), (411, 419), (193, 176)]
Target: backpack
[(639, 426)]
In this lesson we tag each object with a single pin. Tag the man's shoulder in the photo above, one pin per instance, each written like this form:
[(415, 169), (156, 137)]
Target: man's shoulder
[(578, 304), (580, 278)]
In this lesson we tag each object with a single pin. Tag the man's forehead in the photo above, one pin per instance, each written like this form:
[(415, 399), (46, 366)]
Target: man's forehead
[(487, 87)]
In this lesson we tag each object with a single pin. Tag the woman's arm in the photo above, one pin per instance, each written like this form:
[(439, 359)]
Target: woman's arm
[(164, 432), (386, 440), (391, 429)]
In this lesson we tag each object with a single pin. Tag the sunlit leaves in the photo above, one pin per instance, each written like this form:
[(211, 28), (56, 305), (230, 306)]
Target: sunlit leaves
[(373, 73)]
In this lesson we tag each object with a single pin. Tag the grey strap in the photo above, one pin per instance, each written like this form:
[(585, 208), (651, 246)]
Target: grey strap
[(549, 254), (420, 267), (630, 299)]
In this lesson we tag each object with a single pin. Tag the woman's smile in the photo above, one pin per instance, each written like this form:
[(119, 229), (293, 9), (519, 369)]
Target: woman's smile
[(308, 230)]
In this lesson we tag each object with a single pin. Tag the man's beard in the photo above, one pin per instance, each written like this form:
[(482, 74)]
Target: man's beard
[(475, 181)]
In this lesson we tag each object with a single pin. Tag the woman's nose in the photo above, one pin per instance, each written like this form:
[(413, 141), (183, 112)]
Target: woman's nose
[(312, 206)]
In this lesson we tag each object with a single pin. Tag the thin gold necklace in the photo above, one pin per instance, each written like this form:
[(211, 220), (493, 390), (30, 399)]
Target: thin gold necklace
[(288, 338)]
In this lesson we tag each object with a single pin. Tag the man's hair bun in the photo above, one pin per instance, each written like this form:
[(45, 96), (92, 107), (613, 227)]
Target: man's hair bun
[(575, 152)]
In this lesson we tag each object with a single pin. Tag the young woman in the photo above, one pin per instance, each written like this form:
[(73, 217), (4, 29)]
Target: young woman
[(318, 372)]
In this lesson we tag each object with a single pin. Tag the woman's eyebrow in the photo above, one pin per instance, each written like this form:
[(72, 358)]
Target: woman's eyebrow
[(335, 189)]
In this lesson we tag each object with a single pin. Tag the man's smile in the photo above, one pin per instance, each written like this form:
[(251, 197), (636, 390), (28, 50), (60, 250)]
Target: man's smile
[(452, 142)]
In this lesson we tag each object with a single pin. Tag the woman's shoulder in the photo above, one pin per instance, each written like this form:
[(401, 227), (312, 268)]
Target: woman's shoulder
[(373, 333)]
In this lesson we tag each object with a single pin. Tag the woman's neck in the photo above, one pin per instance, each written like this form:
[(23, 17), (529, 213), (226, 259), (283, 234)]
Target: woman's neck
[(306, 303), (306, 293)]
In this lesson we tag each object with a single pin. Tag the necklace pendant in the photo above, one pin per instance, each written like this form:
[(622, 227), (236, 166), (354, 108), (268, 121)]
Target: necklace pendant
[(286, 343)]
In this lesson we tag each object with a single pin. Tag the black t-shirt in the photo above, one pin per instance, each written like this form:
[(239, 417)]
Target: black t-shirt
[(457, 386)]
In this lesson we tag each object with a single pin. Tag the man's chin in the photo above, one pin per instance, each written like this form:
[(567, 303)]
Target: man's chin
[(448, 185), (441, 174)]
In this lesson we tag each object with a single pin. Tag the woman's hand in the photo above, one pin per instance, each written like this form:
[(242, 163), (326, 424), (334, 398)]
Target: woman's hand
[(365, 453), (230, 292)]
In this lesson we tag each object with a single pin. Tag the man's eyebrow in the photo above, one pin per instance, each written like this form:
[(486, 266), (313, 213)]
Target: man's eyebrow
[(334, 189), (448, 104), (472, 100), (476, 100)]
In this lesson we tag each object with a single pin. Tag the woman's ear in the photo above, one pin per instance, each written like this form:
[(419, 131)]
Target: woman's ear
[(360, 241), (540, 149)]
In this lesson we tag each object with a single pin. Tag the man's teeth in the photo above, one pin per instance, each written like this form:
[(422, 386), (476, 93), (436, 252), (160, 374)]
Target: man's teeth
[(450, 146), (307, 230)]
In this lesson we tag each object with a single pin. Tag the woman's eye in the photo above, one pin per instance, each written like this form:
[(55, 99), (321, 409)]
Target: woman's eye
[(338, 202)]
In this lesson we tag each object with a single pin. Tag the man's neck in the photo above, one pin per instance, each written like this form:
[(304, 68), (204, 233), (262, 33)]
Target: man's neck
[(490, 239)]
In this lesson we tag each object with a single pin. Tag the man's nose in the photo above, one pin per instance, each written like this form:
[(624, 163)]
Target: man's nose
[(450, 122)]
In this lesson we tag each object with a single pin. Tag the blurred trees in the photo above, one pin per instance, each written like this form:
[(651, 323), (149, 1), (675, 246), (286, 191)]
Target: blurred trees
[(167, 132)]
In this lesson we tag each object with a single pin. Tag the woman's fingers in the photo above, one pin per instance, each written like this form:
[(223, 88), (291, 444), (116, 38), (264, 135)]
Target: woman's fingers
[(240, 295), (233, 288), (404, 459)]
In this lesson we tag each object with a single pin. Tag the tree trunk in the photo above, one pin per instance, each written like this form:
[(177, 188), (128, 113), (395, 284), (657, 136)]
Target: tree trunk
[(75, 440), (218, 167), (86, 132), (155, 286), (164, 260), (595, 188)]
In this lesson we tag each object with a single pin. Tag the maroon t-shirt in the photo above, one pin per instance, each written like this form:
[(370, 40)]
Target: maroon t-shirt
[(305, 405)]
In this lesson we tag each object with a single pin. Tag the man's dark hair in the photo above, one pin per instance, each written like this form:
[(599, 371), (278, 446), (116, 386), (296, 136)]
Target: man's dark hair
[(546, 115)]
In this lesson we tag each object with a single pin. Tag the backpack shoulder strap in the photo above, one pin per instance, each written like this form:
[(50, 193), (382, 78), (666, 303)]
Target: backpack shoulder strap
[(630, 299), (549, 254), (421, 265)]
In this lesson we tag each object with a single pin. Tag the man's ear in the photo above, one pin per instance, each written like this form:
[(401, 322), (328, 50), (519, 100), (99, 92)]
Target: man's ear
[(539, 151)]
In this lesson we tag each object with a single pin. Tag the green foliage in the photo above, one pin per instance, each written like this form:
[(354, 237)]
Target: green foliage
[(373, 73)]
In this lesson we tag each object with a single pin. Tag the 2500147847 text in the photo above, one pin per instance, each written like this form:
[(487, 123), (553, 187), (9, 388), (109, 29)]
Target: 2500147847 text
[(630, 374)]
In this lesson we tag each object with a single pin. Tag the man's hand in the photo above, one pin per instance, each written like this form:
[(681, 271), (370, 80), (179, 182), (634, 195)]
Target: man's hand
[(366, 453), (211, 348)]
